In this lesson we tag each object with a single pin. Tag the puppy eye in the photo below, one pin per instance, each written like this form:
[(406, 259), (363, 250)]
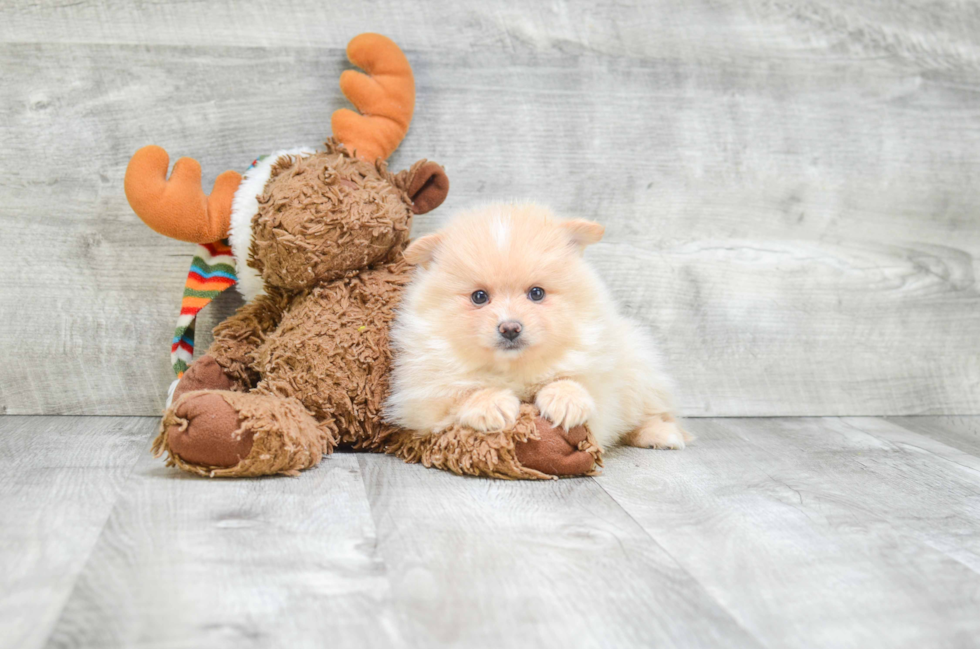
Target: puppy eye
[(536, 294), (480, 297)]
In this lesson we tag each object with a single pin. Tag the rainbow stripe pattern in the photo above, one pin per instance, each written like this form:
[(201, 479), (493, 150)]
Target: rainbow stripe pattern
[(212, 271)]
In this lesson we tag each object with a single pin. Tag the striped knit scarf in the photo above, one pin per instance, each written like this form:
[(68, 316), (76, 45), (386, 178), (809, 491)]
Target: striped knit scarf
[(212, 271)]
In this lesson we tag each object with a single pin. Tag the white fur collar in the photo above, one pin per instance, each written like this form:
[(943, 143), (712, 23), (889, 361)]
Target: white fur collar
[(244, 207)]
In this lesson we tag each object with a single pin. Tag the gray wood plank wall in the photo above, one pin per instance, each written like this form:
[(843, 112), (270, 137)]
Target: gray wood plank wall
[(790, 188)]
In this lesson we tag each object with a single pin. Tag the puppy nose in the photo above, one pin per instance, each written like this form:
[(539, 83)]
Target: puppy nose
[(509, 329)]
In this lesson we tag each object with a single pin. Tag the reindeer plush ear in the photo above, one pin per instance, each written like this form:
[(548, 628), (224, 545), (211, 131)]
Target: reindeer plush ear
[(426, 184), (428, 187), (583, 233), (422, 251)]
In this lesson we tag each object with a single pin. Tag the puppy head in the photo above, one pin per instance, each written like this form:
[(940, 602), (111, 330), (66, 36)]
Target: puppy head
[(505, 283)]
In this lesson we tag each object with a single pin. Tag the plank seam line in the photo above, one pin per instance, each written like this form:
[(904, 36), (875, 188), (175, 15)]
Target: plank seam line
[(911, 535), (680, 566), (928, 452), (396, 611), (88, 557)]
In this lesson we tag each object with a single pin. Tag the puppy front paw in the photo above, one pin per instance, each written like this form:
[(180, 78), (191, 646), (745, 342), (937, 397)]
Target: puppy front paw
[(489, 410), (565, 403)]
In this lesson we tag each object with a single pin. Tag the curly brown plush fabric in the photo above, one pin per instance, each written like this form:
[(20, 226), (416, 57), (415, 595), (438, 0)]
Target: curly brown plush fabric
[(331, 352), (237, 338), (307, 363), (513, 454), (285, 437), (325, 214)]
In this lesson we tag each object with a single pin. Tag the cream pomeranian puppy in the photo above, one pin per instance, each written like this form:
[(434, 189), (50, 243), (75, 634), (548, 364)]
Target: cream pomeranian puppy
[(503, 309)]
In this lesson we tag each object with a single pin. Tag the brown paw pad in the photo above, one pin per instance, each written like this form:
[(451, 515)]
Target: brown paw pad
[(555, 452), (211, 435)]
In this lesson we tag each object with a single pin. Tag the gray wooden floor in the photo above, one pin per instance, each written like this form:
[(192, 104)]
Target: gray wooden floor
[(793, 532)]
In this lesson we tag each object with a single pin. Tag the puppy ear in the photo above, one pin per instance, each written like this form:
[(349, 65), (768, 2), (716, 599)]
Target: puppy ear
[(583, 233), (421, 251)]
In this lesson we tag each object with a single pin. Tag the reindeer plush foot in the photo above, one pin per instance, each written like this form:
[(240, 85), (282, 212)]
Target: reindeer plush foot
[(557, 452), (204, 374), (208, 432), (219, 433), (532, 449)]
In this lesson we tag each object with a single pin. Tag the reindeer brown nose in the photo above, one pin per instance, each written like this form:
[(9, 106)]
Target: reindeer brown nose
[(509, 329)]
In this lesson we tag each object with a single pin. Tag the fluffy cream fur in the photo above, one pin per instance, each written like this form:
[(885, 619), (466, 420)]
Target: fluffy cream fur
[(577, 358)]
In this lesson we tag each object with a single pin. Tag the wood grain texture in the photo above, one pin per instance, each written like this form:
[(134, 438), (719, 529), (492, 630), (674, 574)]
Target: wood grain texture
[(812, 532), (190, 562), (788, 188), (59, 479), (818, 532), (477, 563)]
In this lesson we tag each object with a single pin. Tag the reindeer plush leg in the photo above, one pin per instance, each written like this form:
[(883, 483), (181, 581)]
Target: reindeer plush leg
[(532, 450), (221, 433), (206, 374)]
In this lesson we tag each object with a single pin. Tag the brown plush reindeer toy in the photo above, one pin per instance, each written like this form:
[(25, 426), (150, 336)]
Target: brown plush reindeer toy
[(318, 238)]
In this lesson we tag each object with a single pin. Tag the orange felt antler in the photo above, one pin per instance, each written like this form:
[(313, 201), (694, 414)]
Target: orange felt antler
[(179, 208), (386, 98)]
